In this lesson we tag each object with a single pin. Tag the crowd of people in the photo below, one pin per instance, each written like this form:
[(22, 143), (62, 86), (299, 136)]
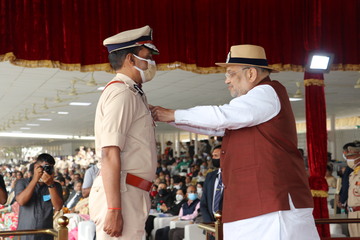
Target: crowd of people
[(72, 176), (179, 182), (259, 142)]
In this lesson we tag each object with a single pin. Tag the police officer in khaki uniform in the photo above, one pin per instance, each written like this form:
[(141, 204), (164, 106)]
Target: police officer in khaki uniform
[(353, 160), (124, 139)]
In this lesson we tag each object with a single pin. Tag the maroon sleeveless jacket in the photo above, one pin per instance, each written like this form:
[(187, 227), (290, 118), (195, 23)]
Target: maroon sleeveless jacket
[(261, 165)]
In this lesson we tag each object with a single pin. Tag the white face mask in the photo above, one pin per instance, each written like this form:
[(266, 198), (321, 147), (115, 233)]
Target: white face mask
[(149, 73), (351, 162), (344, 157), (179, 197), (177, 187), (199, 191)]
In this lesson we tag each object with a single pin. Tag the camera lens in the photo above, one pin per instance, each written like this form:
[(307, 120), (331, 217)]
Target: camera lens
[(48, 169)]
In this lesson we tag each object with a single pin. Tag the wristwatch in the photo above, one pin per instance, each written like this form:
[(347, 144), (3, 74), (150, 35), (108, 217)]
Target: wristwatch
[(51, 186)]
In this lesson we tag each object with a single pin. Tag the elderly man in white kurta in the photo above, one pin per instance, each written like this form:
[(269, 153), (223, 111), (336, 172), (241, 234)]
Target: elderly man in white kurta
[(124, 137)]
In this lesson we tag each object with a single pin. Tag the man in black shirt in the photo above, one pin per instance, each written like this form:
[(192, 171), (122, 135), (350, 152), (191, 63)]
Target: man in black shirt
[(37, 196)]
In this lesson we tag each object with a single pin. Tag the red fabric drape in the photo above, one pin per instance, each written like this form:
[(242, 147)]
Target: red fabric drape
[(316, 135), (194, 33), (316, 139)]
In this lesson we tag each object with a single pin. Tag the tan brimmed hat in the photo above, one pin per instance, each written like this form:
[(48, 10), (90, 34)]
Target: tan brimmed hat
[(131, 38), (247, 55)]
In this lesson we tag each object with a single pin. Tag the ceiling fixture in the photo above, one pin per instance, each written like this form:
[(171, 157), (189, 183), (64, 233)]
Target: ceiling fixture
[(45, 106), (58, 99), (13, 120), (357, 85), (63, 113), (73, 91), (298, 96), (92, 81), (79, 103), (25, 115), (33, 109), (45, 119), (298, 93), (33, 124)]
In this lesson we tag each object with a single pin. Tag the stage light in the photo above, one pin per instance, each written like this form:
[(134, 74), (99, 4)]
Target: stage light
[(319, 62)]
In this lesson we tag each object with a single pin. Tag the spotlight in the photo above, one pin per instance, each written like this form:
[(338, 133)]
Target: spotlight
[(319, 62)]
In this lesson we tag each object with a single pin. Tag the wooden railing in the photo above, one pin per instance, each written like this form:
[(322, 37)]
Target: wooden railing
[(61, 234), (338, 221)]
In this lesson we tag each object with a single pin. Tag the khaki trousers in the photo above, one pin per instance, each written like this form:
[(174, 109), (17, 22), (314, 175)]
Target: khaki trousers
[(354, 228), (135, 205)]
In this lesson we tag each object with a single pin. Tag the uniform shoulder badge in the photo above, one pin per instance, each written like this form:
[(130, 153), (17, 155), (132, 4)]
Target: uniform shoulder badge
[(133, 90)]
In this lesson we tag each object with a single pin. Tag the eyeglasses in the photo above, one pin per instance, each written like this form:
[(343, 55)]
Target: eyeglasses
[(232, 74)]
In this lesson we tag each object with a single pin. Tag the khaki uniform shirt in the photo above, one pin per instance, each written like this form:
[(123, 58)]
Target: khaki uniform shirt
[(123, 119), (354, 189)]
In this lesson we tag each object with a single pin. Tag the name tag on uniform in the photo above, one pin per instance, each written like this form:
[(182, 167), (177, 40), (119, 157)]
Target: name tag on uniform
[(46, 198)]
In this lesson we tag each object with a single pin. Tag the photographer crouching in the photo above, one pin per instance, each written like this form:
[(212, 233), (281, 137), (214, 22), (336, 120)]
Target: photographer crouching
[(38, 197)]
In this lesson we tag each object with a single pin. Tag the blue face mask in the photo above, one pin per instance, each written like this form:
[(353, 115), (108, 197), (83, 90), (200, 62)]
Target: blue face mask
[(192, 196)]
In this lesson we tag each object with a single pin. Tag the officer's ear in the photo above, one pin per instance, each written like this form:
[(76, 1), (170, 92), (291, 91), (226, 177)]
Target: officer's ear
[(129, 59)]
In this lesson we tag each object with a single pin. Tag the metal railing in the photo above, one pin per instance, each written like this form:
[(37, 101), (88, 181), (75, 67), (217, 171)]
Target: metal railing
[(217, 229), (61, 234), (213, 228)]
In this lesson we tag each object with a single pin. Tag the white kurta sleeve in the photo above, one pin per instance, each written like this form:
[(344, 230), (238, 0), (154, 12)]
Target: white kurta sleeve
[(199, 130), (259, 105)]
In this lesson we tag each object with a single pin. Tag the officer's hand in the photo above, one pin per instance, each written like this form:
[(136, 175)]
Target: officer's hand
[(113, 223), (38, 172), (162, 114)]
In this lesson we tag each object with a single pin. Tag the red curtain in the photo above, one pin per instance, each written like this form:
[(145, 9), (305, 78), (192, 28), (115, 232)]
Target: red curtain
[(194, 34), (315, 28), (316, 139)]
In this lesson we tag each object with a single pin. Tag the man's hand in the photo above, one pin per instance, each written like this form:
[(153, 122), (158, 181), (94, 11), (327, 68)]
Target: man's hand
[(339, 204), (38, 172), (47, 179), (113, 223), (163, 207), (162, 114)]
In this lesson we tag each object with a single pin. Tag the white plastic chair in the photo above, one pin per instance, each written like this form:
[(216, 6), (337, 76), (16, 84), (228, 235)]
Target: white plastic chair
[(179, 224), (161, 222), (86, 230), (74, 220), (193, 232)]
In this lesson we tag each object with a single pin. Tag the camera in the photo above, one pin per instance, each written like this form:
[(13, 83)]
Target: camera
[(48, 169)]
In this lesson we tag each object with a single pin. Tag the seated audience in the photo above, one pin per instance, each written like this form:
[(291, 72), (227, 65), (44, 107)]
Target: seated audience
[(74, 197), (163, 197), (188, 211), (90, 175)]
